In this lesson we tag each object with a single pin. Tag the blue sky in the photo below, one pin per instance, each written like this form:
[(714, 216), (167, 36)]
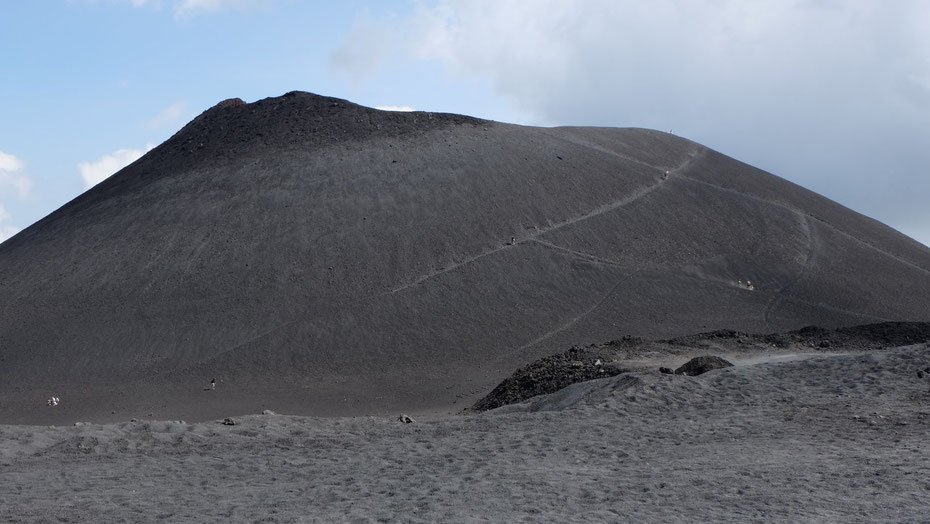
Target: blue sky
[(832, 95)]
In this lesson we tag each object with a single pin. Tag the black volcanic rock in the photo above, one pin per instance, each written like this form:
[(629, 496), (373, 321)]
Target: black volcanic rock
[(578, 364), (340, 260), (550, 374), (700, 365)]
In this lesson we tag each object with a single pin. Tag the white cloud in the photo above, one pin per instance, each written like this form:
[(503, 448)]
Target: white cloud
[(6, 230), (95, 172), (9, 162), (368, 48), (11, 176), (168, 116), (395, 108), (188, 7), (155, 4), (184, 9)]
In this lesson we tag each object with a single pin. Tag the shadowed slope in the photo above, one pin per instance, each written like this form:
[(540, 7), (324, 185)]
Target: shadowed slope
[(320, 257)]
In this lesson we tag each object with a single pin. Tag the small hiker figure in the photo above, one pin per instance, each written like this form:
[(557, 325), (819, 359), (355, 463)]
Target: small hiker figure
[(513, 241), (740, 283), (213, 383), (665, 176), (750, 286)]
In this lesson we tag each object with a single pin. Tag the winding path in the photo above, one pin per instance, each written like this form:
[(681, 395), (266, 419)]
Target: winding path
[(574, 320), (810, 221), (580, 254), (692, 158), (812, 247), (812, 217), (781, 295)]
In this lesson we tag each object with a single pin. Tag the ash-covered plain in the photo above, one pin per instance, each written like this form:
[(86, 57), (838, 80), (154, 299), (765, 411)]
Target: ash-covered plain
[(824, 438)]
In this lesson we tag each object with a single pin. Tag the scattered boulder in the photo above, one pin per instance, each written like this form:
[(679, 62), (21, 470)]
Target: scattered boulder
[(268, 412), (229, 422), (405, 419), (703, 364), (667, 371)]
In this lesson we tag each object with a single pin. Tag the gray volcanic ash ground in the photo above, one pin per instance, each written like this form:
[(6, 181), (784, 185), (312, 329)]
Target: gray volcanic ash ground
[(825, 438), (324, 259)]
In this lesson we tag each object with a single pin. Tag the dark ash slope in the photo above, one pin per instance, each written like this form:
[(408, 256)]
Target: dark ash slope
[(320, 257)]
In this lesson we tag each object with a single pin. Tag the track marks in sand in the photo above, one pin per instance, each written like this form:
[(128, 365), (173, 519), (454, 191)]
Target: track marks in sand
[(574, 320), (809, 222), (636, 195), (579, 254), (588, 145), (812, 217), (783, 293), (245, 342), (812, 248)]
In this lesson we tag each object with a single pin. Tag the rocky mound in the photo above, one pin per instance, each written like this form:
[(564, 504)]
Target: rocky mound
[(700, 365), (579, 364), (551, 374), (329, 258)]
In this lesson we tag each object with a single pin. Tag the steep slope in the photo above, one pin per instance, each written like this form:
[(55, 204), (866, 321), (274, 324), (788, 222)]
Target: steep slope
[(339, 259)]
